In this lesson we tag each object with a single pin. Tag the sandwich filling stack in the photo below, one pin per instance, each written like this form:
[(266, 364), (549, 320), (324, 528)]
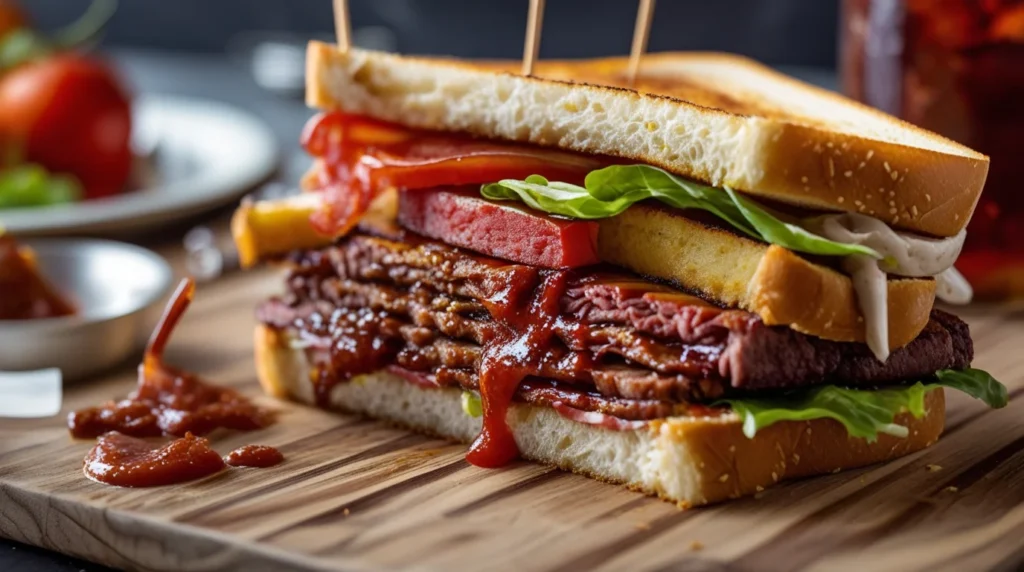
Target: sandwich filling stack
[(700, 286)]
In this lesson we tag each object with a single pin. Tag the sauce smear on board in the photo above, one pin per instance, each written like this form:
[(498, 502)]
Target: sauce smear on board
[(168, 401), (258, 456), (124, 461)]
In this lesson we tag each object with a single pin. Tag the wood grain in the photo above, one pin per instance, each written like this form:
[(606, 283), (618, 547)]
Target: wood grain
[(356, 494)]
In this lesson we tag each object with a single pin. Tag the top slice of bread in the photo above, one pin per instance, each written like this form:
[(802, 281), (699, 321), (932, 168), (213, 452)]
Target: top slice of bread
[(720, 119)]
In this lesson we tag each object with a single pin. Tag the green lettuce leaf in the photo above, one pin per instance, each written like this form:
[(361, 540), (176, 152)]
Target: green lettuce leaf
[(611, 190), (30, 185), (865, 413), (976, 383)]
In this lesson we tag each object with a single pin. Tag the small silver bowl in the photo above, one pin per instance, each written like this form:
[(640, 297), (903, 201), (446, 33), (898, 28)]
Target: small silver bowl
[(117, 290)]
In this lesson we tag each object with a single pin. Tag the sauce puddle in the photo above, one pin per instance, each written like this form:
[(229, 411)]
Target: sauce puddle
[(124, 461), (168, 402), (256, 456)]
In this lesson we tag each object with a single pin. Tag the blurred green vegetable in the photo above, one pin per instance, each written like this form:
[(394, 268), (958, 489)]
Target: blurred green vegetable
[(25, 44), (30, 185), (471, 404)]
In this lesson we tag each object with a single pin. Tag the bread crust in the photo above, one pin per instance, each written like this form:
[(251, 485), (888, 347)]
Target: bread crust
[(690, 461), (723, 120), (781, 287)]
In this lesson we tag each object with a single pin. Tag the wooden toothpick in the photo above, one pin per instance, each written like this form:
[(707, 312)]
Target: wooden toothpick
[(642, 31), (533, 25), (342, 27)]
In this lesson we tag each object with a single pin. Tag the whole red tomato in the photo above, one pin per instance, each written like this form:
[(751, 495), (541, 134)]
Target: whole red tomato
[(70, 114)]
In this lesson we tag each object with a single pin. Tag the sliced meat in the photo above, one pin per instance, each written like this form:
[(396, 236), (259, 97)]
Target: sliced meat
[(633, 383), (756, 356), (425, 350), (542, 392), (671, 333), (463, 218), (545, 392)]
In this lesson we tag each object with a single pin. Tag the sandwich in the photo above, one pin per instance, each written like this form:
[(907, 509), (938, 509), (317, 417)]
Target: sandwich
[(698, 286)]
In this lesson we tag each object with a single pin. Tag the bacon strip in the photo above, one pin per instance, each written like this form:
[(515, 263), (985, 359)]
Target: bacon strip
[(362, 157)]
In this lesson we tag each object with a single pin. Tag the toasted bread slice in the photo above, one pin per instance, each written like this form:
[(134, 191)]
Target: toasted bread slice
[(720, 119), (772, 282), (687, 460)]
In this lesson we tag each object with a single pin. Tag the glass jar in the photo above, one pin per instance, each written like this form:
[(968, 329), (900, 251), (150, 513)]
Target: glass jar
[(955, 67)]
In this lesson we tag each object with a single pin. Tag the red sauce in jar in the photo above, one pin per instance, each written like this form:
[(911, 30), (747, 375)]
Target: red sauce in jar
[(955, 67), (257, 456), (169, 401), (124, 461)]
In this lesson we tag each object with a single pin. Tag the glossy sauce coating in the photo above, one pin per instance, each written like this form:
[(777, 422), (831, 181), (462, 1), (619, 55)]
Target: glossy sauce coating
[(528, 333), (257, 456), (529, 318), (124, 461)]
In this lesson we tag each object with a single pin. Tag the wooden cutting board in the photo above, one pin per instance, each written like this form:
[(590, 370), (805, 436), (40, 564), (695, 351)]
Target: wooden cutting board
[(356, 494)]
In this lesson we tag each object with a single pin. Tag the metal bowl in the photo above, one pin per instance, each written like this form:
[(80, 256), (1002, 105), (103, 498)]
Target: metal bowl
[(116, 288)]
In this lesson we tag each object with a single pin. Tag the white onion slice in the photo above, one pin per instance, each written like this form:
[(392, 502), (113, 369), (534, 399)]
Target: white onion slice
[(903, 254)]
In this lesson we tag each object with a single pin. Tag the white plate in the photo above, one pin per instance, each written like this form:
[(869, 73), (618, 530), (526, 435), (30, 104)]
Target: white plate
[(206, 154)]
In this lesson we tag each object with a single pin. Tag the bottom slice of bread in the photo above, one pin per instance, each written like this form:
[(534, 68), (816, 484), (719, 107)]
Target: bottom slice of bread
[(688, 460)]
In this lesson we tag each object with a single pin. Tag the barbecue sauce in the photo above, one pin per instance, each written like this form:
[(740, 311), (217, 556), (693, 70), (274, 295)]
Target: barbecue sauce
[(26, 295), (362, 341), (257, 456), (527, 336), (167, 401), (124, 461), (529, 333)]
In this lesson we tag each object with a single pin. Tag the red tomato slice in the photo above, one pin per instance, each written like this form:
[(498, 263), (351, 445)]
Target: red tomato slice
[(362, 157)]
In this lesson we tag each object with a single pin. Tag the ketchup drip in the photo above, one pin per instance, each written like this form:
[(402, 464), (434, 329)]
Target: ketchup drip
[(167, 400), (527, 337)]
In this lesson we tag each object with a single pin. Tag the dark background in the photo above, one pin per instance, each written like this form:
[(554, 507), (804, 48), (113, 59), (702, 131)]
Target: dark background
[(180, 47), (794, 32)]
